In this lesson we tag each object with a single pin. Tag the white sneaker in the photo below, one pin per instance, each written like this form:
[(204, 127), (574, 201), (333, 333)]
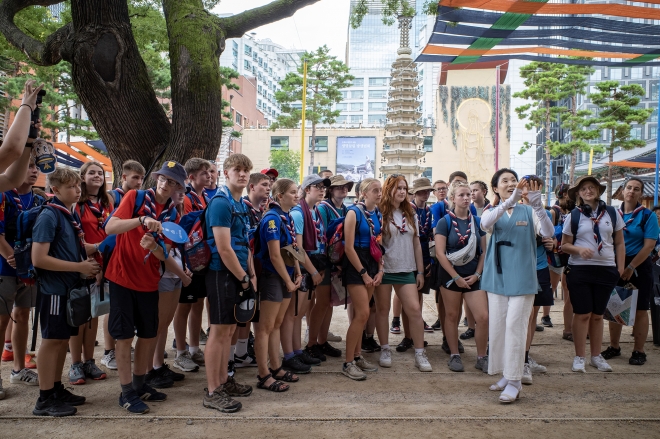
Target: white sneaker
[(527, 374), (600, 363), (536, 367), (578, 364), (109, 360), (25, 376), (353, 372), (365, 365), (185, 363), (333, 337), (385, 358), (422, 362)]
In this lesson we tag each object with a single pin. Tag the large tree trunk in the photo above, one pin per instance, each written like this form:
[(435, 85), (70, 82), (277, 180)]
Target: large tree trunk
[(609, 174)]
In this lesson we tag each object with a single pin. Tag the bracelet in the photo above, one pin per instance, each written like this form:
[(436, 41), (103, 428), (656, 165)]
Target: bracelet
[(26, 105), (315, 273), (381, 270), (631, 267), (141, 220), (478, 275)]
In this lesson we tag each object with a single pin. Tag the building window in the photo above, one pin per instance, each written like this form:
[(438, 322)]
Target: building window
[(248, 50), (428, 143), (321, 143), (357, 94), (597, 75), (247, 64), (344, 95), (279, 142), (615, 73), (357, 82), (355, 119), (637, 73), (653, 131), (377, 119), (357, 106), (428, 173), (342, 106), (654, 90), (239, 118), (378, 82), (377, 94), (342, 119), (377, 106), (636, 132), (654, 116)]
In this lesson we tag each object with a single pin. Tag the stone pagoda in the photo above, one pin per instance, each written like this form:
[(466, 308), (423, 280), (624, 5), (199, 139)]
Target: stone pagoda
[(403, 133)]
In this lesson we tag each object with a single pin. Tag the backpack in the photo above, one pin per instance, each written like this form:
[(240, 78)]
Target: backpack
[(575, 219), (196, 252), (335, 241), (118, 196), (11, 223)]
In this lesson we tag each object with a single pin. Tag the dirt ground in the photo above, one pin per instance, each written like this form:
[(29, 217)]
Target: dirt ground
[(390, 403)]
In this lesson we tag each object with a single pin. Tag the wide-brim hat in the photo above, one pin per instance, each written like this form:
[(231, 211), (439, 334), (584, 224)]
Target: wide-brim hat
[(339, 180), (421, 184), (291, 254), (572, 192), (174, 171)]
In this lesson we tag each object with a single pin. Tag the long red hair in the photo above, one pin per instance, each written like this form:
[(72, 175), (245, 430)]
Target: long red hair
[(386, 205)]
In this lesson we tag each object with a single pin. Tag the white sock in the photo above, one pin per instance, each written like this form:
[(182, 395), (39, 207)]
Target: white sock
[(241, 347), (384, 346), (232, 352), (419, 351), (8, 347), (157, 367), (502, 383), (193, 349), (179, 353)]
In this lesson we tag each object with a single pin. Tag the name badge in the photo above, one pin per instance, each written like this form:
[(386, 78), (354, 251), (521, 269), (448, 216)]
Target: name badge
[(521, 223)]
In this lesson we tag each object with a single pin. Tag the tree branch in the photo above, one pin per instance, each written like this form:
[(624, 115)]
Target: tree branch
[(237, 25), (44, 54)]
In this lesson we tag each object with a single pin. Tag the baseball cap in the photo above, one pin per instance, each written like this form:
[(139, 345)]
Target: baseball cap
[(270, 171), (314, 179)]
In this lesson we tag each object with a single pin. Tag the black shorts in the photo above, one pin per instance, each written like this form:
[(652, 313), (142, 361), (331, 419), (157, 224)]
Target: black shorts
[(591, 287), (132, 313), (52, 318), (428, 281), (272, 287), (544, 297), (351, 275), (195, 291), (643, 280), (221, 288), (445, 277)]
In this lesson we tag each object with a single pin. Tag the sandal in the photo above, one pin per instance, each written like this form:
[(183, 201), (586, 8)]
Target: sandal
[(288, 376), (276, 386), (567, 336), (508, 398)]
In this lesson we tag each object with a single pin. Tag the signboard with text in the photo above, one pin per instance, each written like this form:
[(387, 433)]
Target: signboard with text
[(356, 157)]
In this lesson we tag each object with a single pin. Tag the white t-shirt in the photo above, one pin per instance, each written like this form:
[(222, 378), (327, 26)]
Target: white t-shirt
[(177, 257), (400, 247), (585, 238)]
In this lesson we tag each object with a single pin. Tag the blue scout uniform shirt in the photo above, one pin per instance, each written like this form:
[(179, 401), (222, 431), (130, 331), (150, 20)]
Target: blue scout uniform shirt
[(226, 212), (635, 232), (272, 229)]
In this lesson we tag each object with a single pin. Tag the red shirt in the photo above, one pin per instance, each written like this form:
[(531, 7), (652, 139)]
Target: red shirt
[(188, 205), (127, 267), (94, 233)]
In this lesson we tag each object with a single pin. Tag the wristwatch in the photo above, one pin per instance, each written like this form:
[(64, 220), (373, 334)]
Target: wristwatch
[(246, 279), (363, 271)]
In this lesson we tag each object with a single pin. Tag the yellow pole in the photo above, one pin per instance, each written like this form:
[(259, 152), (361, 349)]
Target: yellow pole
[(304, 104), (591, 160)]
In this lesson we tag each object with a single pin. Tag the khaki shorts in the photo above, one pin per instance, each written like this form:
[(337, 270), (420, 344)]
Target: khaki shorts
[(15, 293)]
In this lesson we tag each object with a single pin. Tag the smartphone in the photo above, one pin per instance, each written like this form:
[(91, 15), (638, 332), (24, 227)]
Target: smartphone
[(36, 114)]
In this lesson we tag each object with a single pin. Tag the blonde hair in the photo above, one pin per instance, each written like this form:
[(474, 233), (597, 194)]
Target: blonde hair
[(365, 185), (280, 187), (237, 160), (456, 184), (63, 176)]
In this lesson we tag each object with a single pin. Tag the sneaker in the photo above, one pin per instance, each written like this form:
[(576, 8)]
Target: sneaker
[(2, 390), (294, 365), (203, 337), (385, 358), (305, 358), (29, 362), (185, 363), (578, 364), (333, 338), (637, 358), (7, 355), (315, 352), (437, 326), (545, 321), (366, 347), (373, 344), (455, 363), (465, 322), (365, 365), (174, 345), (427, 328), (539, 328), (461, 348), (422, 362), (395, 329), (133, 403), (148, 393), (245, 361), (109, 360), (445, 346), (198, 358), (527, 374), (330, 350), (220, 401), (536, 367), (53, 407), (165, 354), (468, 334), (610, 353), (232, 388), (405, 344), (600, 363), (231, 368), (92, 371), (352, 371), (24, 376), (69, 398), (482, 364), (174, 376), (250, 348), (158, 378)]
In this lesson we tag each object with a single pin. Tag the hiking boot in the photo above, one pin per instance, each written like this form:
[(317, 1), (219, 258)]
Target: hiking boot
[(637, 358), (545, 321), (69, 398), (427, 328), (148, 393), (437, 326), (352, 371), (232, 388), (527, 374), (109, 360), (53, 407), (468, 334), (245, 361), (333, 337), (600, 363), (422, 362), (198, 358), (2, 390), (445, 346), (330, 350), (203, 337), (315, 352), (611, 352), (169, 373), (77, 374), (294, 365), (24, 376), (578, 364), (540, 328), (220, 401), (405, 344), (365, 365), (536, 367), (133, 403), (305, 358), (158, 378), (455, 363), (92, 371), (185, 363), (482, 364), (385, 358)]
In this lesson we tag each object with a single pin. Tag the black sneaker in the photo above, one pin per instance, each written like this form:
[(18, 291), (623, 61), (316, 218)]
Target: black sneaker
[(637, 358), (294, 365), (315, 352), (69, 398), (244, 361), (373, 344), (468, 334), (539, 328), (610, 353), (545, 321), (174, 376), (405, 344), (231, 368), (148, 393), (465, 322), (157, 378), (330, 350), (445, 346), (366, 347), (428, 328), (437, 326), (305, 358), (53, 407)]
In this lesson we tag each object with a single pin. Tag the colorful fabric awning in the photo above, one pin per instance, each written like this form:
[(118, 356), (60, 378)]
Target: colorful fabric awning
[(474, 31)]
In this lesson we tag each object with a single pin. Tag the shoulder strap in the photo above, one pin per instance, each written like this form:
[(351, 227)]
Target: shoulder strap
[(612, 212), (575, 222), (364, 215), (139, 201)]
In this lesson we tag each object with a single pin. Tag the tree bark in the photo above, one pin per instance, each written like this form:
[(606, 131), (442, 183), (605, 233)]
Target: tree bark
[(236, 25)]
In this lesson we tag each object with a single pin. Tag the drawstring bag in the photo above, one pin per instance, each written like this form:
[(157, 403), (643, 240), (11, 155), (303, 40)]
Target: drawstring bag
[(78, 306), (100, 299)]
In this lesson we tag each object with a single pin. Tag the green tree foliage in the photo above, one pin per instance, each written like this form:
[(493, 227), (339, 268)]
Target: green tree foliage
[(617, 112), (391, 10), (326, 75), (287, 163)]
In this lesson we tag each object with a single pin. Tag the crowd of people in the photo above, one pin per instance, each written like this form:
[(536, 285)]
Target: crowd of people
[(263, 253)]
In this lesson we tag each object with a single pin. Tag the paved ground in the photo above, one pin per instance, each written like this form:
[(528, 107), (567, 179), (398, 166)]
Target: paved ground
[(391, 403)]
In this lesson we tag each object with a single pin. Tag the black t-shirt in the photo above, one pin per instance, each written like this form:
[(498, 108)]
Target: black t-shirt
[(452, 243)]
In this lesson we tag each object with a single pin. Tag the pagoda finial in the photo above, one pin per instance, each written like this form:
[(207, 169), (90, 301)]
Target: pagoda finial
[(405, 24)]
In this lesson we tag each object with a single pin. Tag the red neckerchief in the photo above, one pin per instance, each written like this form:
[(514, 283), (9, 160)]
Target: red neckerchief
[(638, 209), (462, 239)]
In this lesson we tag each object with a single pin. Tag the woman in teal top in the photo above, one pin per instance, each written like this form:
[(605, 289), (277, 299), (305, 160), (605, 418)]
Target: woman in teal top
[(510, 274)]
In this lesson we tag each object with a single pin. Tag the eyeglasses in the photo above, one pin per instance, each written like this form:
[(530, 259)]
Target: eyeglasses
[(320, 187), (169, 181), (440, 189)]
